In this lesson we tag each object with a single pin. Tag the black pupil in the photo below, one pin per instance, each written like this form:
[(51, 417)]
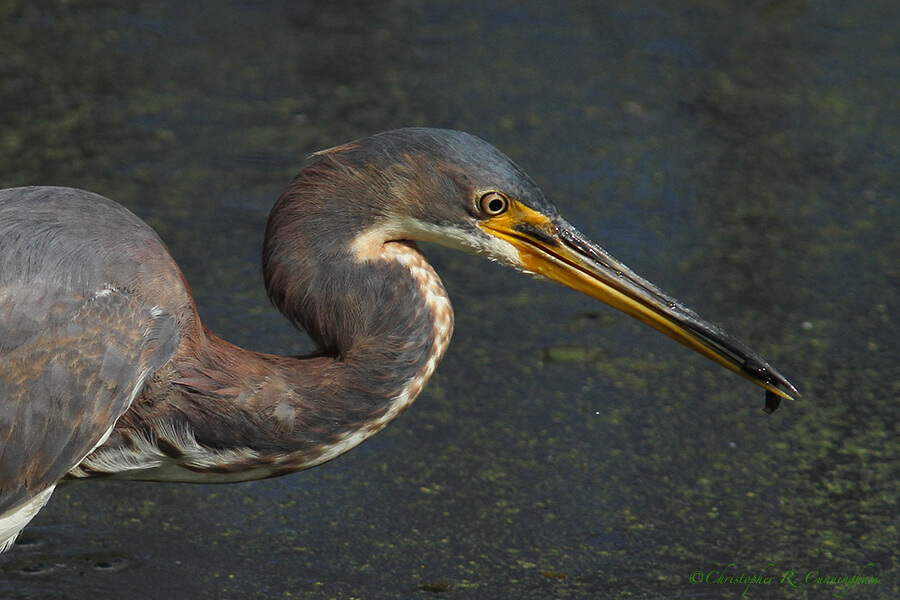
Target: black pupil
[(495, 205)]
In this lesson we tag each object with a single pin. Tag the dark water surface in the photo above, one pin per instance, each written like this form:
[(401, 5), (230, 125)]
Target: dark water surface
[(744, 156)]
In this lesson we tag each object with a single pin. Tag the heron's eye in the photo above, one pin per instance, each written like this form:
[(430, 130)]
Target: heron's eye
[(493, 204)]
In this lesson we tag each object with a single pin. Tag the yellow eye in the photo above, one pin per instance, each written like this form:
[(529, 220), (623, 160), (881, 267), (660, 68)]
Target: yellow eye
[(493, 204)]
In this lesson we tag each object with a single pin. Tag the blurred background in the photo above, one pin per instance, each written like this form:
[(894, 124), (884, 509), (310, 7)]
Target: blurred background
[(743, 156)]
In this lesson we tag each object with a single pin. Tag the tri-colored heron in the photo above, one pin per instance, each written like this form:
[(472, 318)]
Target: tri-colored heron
[(106, 370)]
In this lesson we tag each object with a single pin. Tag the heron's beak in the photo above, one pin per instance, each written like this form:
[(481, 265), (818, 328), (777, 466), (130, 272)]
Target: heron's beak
[(554, 249)]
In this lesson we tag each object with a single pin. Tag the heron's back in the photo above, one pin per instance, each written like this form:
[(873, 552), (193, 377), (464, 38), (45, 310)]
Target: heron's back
[(82, 242)]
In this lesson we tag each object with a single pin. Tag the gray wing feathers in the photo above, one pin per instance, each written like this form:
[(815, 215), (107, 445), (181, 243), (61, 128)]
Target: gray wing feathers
[(78, 336), (69, 368)]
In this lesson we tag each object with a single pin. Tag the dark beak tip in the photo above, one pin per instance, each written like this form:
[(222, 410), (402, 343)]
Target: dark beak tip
[(773, 400)]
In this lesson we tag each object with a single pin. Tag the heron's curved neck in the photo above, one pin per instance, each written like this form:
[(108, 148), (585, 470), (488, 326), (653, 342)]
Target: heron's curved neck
[(374, 305), (383, 321), (371, 302)]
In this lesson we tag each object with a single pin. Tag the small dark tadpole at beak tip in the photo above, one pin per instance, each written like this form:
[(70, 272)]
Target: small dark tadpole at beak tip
[(773, 401)]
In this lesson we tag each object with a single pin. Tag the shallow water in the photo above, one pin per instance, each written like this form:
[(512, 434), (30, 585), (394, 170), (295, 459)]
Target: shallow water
[(744, 158)]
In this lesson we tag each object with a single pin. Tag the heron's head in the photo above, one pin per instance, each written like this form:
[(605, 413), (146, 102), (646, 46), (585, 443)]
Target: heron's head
[(454, 189)]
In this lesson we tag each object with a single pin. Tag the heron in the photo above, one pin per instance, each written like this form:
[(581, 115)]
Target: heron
[(107, 371)]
